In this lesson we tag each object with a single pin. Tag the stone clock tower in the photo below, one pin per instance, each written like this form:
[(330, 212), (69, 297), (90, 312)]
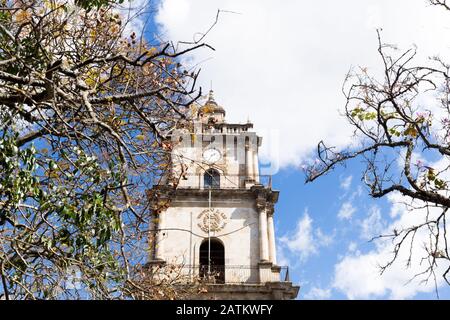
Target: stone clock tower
[(217, 224)]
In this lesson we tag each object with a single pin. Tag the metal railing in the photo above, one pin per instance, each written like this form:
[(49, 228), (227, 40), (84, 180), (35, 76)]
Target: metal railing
[(235, 274), (222, 181)]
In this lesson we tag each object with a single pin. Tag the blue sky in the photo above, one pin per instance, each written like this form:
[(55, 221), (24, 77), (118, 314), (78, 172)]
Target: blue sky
[(323, 201), (282, 65)]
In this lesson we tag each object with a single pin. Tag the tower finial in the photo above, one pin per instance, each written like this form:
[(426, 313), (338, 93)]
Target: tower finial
[(211, 98), (211, 106)]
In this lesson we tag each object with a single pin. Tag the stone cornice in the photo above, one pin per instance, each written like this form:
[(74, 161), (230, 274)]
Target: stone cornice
[(263, 195), (233, 125)]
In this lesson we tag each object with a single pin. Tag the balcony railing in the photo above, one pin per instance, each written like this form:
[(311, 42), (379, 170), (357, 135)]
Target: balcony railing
[(230, 274), (222, 181)]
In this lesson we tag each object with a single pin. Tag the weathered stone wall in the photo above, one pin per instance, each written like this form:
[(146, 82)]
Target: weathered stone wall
[(269, 291), (239, 235), (231, 166)]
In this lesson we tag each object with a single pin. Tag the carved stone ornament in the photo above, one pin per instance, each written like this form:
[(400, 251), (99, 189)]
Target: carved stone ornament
[(261, 205), (218, 220)]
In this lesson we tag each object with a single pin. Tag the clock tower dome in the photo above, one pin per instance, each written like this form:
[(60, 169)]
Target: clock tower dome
[(216, 223)]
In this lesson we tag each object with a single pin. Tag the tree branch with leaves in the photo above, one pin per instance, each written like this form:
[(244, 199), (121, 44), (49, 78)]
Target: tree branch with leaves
[(85, 110), (393, 125)]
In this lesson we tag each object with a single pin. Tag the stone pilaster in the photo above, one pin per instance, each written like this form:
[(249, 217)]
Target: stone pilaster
[(263, 238), (249, 158), (152, 237), (256, 165), (159, 239), (271, 235)]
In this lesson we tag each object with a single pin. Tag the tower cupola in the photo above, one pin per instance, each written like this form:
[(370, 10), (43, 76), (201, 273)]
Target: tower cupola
[(211, 111)]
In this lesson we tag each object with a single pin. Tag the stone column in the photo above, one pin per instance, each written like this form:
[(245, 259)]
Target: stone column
[(159, 245), (152, 237), (255, 165), (247, 160), (263, 239), (271, 234)]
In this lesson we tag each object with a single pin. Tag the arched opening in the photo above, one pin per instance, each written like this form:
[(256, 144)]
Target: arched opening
[(212, 179), (215, 271)]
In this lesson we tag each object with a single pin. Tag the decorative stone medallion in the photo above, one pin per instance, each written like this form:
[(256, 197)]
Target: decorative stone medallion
[(218, 220)]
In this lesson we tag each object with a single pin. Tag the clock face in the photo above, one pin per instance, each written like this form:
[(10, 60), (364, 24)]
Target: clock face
[(211, 155)]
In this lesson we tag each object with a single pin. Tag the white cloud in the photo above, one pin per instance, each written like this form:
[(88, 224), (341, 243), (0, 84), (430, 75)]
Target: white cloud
[(282, 258), (302, 242), (352, 246), (357, 193), (323, 239), (283, 64), (373, 224), (135, 13), (346, 211), (318, 294), (346, 183), (305, 241), (358, 276)]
